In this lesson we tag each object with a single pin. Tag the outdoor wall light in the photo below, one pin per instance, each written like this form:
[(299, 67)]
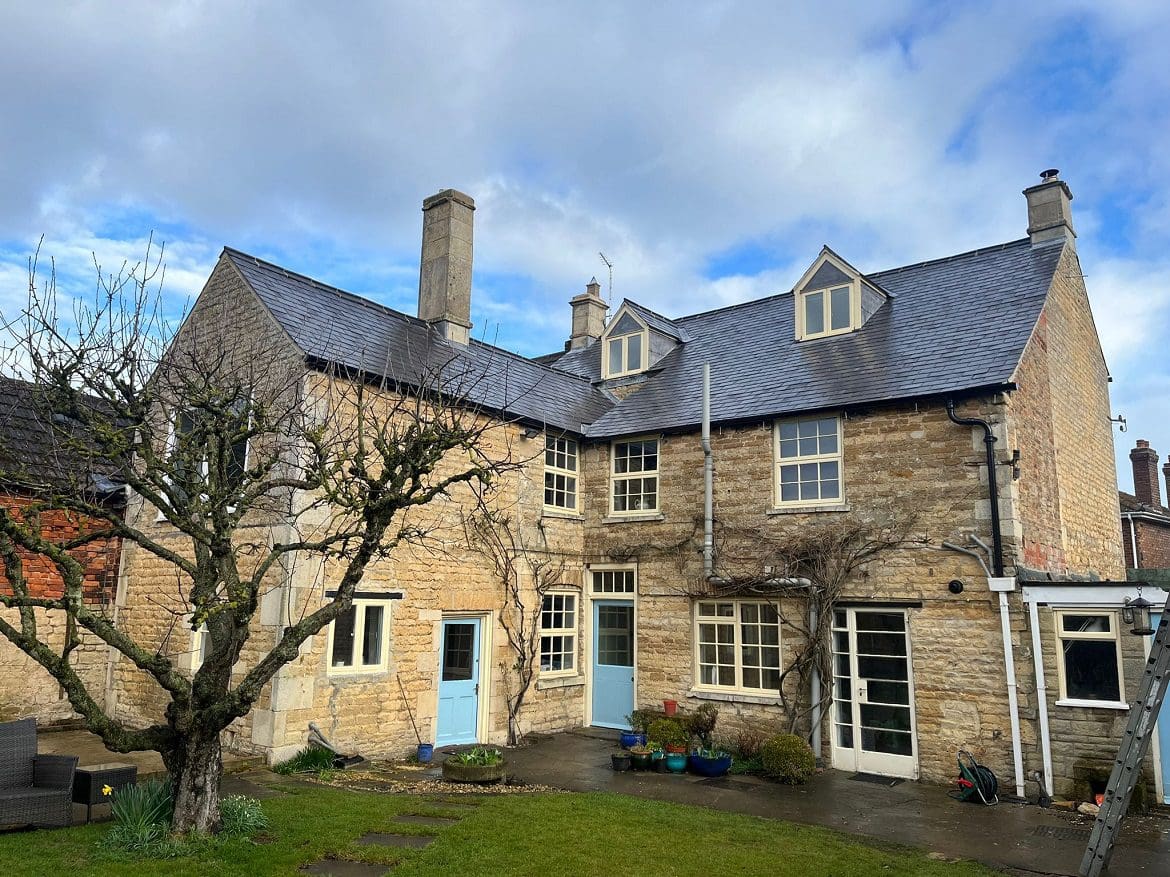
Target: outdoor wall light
[(1137, 613), (531, 432), (955, 586)]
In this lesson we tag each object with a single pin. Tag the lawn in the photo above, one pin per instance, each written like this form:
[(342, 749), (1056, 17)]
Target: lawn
[(547, 834)]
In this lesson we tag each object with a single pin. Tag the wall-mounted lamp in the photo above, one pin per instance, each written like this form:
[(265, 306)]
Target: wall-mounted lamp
[(955, 586), (1137, 613), (530, 432)]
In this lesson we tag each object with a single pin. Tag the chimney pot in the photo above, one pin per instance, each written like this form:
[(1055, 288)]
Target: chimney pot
[(444, 276), (1146, 488), (1050, 209)]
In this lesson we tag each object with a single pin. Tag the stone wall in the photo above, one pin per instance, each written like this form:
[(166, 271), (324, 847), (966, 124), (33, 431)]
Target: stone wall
[(28, 689)]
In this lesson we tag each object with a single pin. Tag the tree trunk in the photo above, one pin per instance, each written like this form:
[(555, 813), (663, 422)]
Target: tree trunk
[(196, 767)]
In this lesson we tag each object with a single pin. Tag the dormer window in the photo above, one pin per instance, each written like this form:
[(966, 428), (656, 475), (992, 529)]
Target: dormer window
[(625, 347), (828, 311), (833, 298)]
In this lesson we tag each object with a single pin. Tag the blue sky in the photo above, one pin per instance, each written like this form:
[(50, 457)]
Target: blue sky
[(708, 149)]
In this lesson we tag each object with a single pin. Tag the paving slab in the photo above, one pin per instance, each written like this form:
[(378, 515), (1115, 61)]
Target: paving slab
[(386, 839), (1008, 836), (415, 819), (343, 868)]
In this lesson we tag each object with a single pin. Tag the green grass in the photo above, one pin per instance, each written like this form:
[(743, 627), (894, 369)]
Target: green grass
[(578, 835)]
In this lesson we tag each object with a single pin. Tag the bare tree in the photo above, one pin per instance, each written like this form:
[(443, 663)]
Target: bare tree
[(525, 573), (250, 457), (802, 573)]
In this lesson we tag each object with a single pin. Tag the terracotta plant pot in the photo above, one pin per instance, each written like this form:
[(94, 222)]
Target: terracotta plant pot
[(670, 707), (672, 749)]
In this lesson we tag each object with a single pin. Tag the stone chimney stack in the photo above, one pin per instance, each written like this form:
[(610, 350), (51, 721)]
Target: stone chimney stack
[(1145, 473), (588, 316), (444, 276), (1050, 209), (1166, 473)]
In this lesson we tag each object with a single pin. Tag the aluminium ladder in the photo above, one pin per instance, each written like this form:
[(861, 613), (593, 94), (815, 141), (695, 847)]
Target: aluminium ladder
[(1134, 745)]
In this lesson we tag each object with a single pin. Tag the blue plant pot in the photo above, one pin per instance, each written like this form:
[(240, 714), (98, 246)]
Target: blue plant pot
[(676, 762), (426, 751), (629, 738), (710, 767)]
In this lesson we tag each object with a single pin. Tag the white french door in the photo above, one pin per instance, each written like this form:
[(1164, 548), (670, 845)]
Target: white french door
[(873, 693)]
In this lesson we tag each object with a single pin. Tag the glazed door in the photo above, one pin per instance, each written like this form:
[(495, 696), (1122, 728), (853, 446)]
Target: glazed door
[(458, 683), (873, 692), (613, 662)]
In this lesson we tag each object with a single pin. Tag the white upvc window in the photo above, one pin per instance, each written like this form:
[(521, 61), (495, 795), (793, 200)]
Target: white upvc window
[(831, 311), (359, 638), (625, 347), (634, 477), (561, 467), (614, 580), (1088, 658), (737, 646), (183, 423), (558, 633), (808, 455)]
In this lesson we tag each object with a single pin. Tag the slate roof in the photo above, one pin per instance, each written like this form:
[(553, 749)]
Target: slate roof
[(952, 325), (34, 454), (658, 322), (332, 326), (1130, 503)]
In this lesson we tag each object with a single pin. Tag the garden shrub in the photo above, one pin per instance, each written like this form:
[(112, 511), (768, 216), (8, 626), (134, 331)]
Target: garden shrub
[(701, 723), (788, 758), (667, 732), (311, 759), (241, 816)]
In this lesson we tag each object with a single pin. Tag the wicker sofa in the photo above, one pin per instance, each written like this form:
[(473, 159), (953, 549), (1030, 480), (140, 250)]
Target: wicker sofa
[(34, 789)]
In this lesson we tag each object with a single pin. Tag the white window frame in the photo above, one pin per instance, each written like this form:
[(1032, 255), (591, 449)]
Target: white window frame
[(554, 470), (626, 338), (199, 645), (818, 458), (615, 477), (173, 438), (737, 623), (571, 632), (1114, 634), (359, 633)]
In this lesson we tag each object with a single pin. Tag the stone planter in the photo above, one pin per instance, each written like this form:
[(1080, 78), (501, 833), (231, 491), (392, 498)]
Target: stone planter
[(455, 772)]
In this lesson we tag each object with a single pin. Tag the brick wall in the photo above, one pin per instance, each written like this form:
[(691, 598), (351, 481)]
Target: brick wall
[(28, 690), (1153, 543)]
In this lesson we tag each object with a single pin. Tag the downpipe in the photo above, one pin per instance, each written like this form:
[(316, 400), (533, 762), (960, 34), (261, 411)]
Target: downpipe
[(708, 481)]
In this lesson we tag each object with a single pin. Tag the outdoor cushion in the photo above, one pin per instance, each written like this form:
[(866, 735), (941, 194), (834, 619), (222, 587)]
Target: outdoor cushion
[(29, 793)]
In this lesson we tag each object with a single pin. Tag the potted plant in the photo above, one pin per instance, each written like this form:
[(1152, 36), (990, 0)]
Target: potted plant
[(670, 735), (710, 762), (620, 760), (639, 720), (707, 760), (641, 757), (658, 758), (676, 762), (480, 764)]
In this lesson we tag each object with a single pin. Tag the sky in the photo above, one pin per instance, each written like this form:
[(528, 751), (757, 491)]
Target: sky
[(707, 149)]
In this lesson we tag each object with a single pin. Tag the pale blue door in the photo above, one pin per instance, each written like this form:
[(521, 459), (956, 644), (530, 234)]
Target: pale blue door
[(458, 682), (1163, 733), (613, 662)]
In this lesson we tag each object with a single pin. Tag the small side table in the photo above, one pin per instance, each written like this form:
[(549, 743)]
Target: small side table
[(90, 779)]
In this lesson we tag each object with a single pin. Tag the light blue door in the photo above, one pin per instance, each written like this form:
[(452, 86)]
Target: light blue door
[(1163, 733), (613, 662), (458, 682)]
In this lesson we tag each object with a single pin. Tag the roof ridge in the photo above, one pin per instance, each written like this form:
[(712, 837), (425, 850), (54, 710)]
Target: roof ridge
[(378, 306), (643, 307), (943, 259), (738, 304)]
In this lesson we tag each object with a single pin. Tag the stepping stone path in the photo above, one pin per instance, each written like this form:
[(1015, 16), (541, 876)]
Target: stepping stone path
[(341, 868)]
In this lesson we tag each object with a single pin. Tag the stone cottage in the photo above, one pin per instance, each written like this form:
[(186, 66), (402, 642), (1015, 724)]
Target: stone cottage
[(31, 463), (669, 464)]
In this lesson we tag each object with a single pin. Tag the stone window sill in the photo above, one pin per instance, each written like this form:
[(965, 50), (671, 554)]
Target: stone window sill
[(807, 509), (632, 519), (1095, 704), (732, 697), (543, 684), (553, 515)]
